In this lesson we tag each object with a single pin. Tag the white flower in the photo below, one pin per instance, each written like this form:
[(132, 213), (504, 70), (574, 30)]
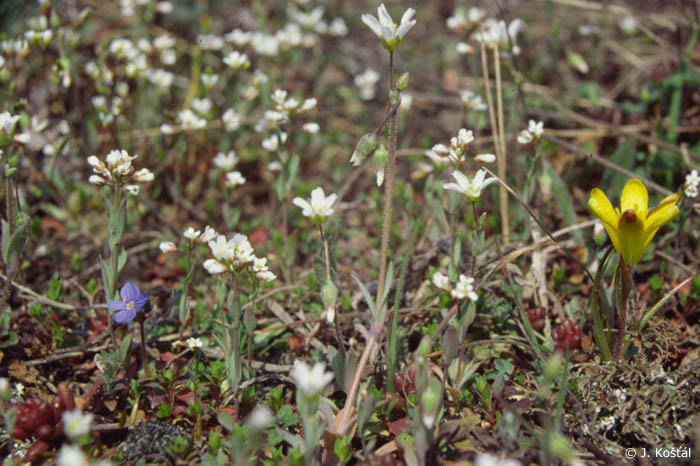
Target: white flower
[(234, 179), (76, 424), (232, 121), (161, 78), (19, 389), (310, 381), (190, 120), (464, 48), (242, 249), (628, 25), (464, 289), (209, 79), (261, 418), (441, 281), (271, 143), (266, 276), (236, 60), (144, 175), (71, 455), (96, 179), (8, 121), (227, 161), (238, 37), (308, 104), (406, 102), (320, 206), (191, 234), (201, 106), (259, 264), (385, 28), (208, 235), (312, 128), (692, 178), (472, 101), (220, 248), (487, 459), (274, 166), (166, 129), (194, 343), (367, 83), (536, 128), (691, 190), (164, 7), (525, 137), (485, 158), (464, 137), (210, 42), (164, 41), (132, 189), (470, 188), (167, 246), (214, 266)]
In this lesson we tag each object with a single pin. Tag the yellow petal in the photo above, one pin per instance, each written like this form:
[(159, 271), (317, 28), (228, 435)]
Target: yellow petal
[(635, 197), (632, 236), (660, 216), (602, 208)]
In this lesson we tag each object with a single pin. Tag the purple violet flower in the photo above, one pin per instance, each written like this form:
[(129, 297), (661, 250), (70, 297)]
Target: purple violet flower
[(132, 301)]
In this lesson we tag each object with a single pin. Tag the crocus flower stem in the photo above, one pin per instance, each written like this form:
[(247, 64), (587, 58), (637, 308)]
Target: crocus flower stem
[(623, 283)]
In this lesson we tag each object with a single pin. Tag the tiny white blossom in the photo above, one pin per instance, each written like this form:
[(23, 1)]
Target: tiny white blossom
[(19, 389), (488, 459), (485, 158), (319, 206), (471, 188), (236, 60), (441, 281), (71, 455), (193, 342), (201, 106), (472, 101), (310, 381), (167, 246), (464, 48), (208, 235), (692, 178), (144, 175), (234, 179), (227, 161), (312, 128), (214, 267), (191, 234), (536, 128), (8, 121), (628, 25), (266, 276), (525, 137), (691, 190), (96, 179), (232, 121), (261, 418), (132, 189), (76, 424), (464, 289), (220, 248)]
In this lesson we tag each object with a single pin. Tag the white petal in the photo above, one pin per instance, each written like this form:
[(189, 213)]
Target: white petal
[(408, 15), (372, 23), (385, 17), (405, 27)]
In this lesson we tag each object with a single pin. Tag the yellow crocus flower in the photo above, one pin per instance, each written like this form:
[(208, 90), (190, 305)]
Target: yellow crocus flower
[(632, 227)]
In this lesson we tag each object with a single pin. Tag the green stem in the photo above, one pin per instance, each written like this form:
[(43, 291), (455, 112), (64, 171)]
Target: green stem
[(623, 284), (598, 325), (114, 260)]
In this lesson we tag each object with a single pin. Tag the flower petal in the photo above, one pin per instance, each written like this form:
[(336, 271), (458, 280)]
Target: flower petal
[(385, 17), (129, 292), (140, 301), (603, 209), (373, 24), (116, 305), (124, 316), (661, 215), (635, 197)]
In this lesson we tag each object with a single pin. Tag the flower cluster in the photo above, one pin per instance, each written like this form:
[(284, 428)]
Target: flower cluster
[(692, 180), (287, 107), (472, 101), (384, 27), (236, 255), (318, 208), (532, 133), (462, 290), (367, 83), (118, 172), (492, 32), (457, 151), (227, 162), (191, 235)]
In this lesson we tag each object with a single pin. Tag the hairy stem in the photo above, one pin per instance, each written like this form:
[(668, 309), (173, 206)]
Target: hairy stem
[(503, 196)]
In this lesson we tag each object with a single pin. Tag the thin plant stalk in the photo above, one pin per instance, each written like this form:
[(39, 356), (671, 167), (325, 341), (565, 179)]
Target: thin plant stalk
[(623, 284), (503, 196), (500, 160), (114, 260), (375, 330)]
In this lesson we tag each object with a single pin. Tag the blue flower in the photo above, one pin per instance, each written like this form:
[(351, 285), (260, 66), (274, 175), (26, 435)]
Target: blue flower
[(132, 301)]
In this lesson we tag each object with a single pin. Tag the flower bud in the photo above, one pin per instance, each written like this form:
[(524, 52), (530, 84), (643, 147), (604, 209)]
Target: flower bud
[(430, 402), (545, 184), (329, 295), (379, 162), (402, 83), (599, 233), (364, 148)]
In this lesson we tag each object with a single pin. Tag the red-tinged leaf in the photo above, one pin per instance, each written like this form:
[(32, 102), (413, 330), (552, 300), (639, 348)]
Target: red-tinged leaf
[(167, 356), (295, 342), (399, 425), (183, 396), (178, 410)]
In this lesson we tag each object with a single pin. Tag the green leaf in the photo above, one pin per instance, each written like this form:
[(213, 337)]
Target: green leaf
[(560, 192), (365, 293), (5, 240), (121, 259), (226, 420), (124, 348), (14, 247)]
